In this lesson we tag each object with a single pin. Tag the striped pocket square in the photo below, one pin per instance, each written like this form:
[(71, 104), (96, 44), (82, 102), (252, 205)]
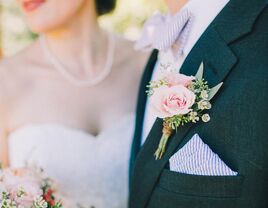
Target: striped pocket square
[(196, 158)]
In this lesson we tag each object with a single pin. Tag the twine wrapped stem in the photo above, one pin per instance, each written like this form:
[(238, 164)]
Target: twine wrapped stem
[(166, 133)]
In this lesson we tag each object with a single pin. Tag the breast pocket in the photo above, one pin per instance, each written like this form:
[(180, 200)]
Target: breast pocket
[(177, 190), (203, 186)]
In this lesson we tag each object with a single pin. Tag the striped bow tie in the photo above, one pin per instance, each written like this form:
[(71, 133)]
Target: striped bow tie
[(163, 32)]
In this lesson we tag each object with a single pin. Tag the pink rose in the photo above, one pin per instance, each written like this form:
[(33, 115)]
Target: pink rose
[(175, 78), (169, 101)]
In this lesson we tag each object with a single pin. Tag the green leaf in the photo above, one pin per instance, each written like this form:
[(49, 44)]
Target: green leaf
[(200, 72), (213, 91)]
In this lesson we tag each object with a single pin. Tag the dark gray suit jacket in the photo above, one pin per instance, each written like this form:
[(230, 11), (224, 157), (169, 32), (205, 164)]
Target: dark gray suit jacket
[(234, 49)]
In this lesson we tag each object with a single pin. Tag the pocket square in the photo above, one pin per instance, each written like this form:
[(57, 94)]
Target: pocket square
[(196, 158)]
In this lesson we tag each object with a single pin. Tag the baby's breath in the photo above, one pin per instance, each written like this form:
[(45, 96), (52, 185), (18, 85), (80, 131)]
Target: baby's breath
[(204, 105), (206, 118), (21, 192), (193, 116), (154, 85), (6, 202), (204, 94), (40, 203)]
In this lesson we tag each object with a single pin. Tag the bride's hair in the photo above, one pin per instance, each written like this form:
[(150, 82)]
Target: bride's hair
[(105, 6)]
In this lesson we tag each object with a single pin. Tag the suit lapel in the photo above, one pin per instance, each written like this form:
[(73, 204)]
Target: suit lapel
[(213, 49)]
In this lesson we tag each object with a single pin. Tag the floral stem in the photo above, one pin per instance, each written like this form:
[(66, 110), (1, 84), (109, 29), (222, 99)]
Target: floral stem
[(167, 131)]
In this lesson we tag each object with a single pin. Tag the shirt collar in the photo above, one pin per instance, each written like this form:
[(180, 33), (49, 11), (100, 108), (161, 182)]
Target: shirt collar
[(204, 12)]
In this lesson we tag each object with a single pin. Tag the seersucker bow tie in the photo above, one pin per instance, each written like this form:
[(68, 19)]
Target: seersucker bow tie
[(163, 32)]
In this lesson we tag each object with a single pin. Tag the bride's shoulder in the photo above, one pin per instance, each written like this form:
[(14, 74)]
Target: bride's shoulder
[(126, 55), (19, 61), (13, 70), (21, 58)]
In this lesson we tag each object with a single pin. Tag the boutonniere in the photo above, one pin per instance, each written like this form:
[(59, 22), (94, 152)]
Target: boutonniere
[(179, 99)]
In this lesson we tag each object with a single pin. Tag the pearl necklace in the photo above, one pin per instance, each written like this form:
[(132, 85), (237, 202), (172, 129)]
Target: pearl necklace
[(69, 76)]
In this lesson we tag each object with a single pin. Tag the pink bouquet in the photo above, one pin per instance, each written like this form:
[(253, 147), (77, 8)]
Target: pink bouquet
[(26, 188)]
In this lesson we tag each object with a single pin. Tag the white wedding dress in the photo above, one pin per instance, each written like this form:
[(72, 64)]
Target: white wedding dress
[(92, 171)]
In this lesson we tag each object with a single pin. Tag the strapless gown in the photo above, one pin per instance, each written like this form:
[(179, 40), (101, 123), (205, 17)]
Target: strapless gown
[(92, 171)]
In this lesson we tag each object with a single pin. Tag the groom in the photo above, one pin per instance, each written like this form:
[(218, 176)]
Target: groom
[(231, 39)]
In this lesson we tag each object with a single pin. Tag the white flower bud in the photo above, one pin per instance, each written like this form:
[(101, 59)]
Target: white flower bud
[(204, 105), (204, 94), (206, 118)]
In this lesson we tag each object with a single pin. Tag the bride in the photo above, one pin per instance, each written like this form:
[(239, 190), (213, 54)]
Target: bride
[(67, 101)]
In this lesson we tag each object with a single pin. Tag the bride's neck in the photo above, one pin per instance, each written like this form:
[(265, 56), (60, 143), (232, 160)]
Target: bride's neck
[(80, 43)]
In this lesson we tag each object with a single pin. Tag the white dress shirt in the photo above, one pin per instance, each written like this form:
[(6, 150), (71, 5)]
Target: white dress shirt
[(204, 12)]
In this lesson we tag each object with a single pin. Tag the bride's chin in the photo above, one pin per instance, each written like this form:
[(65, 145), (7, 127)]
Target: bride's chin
[(45, 25), (48, 18), (41, 29)]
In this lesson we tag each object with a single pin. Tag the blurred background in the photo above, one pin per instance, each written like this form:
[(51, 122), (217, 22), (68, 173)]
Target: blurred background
[(127, 20)]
